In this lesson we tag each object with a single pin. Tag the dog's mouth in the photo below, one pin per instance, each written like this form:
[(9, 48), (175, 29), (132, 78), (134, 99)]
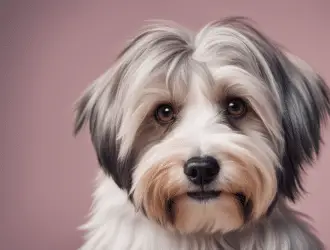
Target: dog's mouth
[(204, 195), (209, 195)]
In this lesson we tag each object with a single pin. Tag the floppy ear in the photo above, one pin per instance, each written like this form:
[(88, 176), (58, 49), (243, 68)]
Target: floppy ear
[(102, 103), (306, 105), (99, 106)]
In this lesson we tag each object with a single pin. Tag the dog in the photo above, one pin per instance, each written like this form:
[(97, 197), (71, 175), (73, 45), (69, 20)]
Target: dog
[(202, 140)]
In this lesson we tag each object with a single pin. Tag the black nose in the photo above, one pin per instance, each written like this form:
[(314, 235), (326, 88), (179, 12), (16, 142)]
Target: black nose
[(201, 170)]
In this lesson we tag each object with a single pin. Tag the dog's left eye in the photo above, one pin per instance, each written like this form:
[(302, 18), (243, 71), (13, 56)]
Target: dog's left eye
[(164, 114), (236, 108)]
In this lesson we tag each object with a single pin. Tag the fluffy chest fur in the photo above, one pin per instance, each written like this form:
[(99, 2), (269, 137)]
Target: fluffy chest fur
[(114, 224)]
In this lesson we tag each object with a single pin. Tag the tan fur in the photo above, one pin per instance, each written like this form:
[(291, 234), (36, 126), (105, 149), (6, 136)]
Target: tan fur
[(258, 183), (156, 188), (222, 214)]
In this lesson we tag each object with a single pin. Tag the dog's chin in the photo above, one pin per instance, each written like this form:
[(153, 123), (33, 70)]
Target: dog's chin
[(208, 212)]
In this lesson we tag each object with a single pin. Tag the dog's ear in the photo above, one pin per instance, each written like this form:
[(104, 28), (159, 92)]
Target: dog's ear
[(303, 98), (87, 107), (102, 104), (306, 105), (99, 106)]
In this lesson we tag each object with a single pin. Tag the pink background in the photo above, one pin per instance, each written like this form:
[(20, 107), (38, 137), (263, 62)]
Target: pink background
[(49, 52)]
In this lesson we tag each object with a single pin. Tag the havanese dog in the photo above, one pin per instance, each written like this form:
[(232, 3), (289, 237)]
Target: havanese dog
[(202, 139)]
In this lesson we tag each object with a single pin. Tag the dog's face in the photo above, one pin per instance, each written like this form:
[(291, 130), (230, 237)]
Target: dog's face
[(205, 132)]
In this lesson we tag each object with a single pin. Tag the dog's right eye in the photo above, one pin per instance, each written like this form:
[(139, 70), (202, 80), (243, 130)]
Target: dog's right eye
[(164, 114)]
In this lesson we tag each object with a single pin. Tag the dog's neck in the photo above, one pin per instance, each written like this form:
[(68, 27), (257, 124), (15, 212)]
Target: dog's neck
[(114, 224)]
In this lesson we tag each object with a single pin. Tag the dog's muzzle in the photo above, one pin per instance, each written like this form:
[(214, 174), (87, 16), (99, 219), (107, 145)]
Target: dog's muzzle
[(202, 171)]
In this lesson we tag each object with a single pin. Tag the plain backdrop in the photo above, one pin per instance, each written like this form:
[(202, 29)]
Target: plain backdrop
[(51, 50)]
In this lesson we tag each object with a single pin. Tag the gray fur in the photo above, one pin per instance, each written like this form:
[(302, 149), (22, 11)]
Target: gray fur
[(284, 229)]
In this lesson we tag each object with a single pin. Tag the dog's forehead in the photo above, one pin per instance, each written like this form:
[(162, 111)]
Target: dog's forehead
[(211, 82), (216, 61)]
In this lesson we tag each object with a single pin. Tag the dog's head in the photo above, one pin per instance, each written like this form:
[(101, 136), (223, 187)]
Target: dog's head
[(205, 131)]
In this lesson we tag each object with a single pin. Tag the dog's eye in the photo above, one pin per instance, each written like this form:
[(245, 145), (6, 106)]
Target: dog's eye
[(236, 108), (164, 113)]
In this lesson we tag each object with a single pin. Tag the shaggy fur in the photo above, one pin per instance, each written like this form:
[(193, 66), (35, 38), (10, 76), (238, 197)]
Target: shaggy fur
[(142, 199)]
